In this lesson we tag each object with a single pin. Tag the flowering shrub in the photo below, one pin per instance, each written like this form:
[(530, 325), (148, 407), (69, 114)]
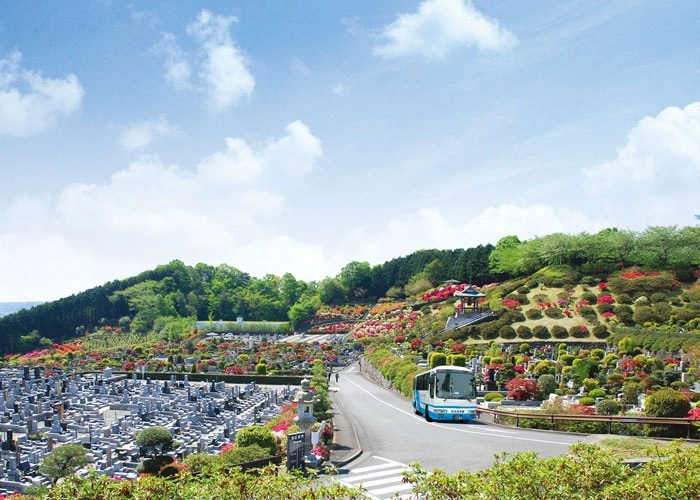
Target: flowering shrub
[(521, 389), (416, 344), (511, 303), (321, 452), (399, 339), (636, 273), (606, 299), (385, 308), (442, 293)]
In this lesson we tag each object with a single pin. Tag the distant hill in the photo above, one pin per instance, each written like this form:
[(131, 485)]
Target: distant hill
[(10, 307)]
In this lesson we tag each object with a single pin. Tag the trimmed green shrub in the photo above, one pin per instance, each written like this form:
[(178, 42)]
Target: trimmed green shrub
[(608, 407), (559, 332), (512, 316), (489, 331), (459, 360), (591, 297), (256, 435), (644, 314), (156, 439), (524, 332), (533, 313), (624, 314), (579, 331), (603, 308), (522, 298), (623, 298), (507, 332), (666, 403), (241, 454), (197, 462), (554, 313), (658, 297), (541, 332), (567, 359), (588, 401), (437, 359), (596, 393), (589, 314), (493, 396)]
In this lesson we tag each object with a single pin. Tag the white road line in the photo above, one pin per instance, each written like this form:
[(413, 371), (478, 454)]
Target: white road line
[(373, 475)]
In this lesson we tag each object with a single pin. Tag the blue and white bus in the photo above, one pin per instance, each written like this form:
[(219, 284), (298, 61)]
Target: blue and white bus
[(445, 393)]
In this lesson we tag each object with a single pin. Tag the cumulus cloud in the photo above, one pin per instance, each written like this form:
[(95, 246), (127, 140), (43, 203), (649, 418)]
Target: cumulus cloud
[(177, 71), (223, 68), (141, 134), (438, 28), (655, 176), (223, 207), (30, 103)]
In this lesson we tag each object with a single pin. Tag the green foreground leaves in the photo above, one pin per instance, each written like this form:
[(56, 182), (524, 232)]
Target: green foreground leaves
[(586, 473)]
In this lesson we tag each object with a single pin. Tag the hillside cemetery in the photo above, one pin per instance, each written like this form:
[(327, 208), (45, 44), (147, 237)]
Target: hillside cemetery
[(103, 412)]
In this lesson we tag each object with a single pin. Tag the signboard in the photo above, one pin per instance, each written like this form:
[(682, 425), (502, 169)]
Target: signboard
[(295, 451)]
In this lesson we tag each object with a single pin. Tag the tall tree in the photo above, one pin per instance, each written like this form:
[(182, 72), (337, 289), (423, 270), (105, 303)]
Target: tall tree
[(63, 461)]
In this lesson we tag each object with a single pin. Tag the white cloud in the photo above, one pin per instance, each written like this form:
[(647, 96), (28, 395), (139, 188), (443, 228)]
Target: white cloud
[(223, 70), (294, 154), (340, 89), (462, 227), (177, 69), (299, 66), (222, 74), (150, 213), (30, 103), (655, 177), (141, 134), (439, 27)]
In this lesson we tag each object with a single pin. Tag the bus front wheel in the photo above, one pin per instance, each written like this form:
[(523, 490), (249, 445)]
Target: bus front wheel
[(427, 415)]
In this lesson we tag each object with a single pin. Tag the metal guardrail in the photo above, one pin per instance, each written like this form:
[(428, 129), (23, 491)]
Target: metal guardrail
[(609, 419)]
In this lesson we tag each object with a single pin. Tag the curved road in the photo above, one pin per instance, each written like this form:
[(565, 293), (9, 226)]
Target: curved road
[(387, 427)]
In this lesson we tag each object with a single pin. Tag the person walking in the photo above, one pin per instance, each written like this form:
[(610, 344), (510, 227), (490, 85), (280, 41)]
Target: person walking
[(336, 377)]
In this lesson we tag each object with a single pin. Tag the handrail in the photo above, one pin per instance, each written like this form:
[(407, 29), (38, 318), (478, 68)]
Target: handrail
[(609, 419)]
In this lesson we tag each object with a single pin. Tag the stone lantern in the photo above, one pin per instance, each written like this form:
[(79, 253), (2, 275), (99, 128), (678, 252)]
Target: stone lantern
[(305, 399)]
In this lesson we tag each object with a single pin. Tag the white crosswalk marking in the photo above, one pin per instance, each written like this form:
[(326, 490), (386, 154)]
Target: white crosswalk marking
[(383, 479)]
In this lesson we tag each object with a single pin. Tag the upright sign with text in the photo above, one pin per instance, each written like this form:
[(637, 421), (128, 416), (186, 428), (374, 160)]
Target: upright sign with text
[(295, 451)]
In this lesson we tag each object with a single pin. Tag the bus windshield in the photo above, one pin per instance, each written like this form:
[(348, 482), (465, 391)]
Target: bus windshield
[(455, 385)]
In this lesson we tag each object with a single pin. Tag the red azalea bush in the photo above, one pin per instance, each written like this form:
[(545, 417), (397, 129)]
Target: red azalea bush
[(416, 344), (522, 389), (511, 303)]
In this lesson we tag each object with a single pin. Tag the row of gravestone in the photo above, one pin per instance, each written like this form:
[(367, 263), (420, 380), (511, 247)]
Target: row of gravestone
[(105, 412)]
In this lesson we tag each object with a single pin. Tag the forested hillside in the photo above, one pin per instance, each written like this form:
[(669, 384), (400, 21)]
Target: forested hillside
[(177, 293), (203, 292)]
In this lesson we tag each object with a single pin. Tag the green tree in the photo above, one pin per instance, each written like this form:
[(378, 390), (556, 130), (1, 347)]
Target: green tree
[(356, 278), (157, 440), (546, 384), (63, 461), (331, 291), (507, 258)]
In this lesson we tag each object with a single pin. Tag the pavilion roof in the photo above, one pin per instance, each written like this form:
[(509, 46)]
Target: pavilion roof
[(470, 291)]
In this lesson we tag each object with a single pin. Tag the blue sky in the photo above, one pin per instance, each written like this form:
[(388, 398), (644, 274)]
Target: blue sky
[(280, 136)]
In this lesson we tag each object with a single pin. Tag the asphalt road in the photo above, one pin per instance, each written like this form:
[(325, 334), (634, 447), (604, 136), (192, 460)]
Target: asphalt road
[(387, 428)]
